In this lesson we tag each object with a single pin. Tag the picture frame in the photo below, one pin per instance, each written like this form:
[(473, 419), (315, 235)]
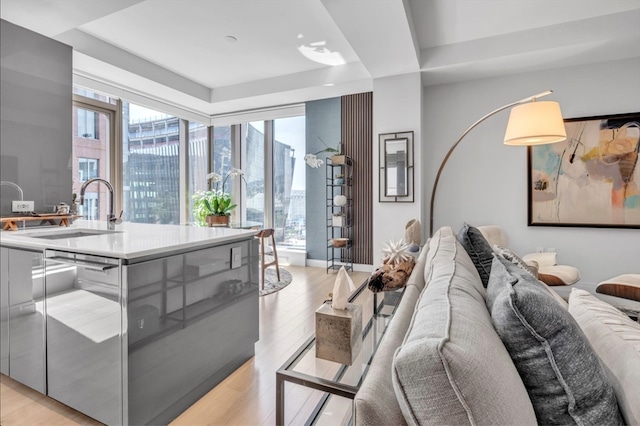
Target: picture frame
[(590, 180), (396, 169)]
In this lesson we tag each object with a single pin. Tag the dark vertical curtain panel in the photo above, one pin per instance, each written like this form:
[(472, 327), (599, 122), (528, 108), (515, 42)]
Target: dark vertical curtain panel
[(357, 142)]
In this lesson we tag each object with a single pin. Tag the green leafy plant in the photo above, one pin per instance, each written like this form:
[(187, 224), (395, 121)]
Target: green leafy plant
[(313, 161), (216, 201)]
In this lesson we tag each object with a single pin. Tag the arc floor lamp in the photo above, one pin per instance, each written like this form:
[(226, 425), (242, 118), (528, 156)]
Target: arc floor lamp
[(530, 123)]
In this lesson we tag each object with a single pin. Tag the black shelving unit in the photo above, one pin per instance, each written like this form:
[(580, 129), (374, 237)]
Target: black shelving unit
[(339, 182)]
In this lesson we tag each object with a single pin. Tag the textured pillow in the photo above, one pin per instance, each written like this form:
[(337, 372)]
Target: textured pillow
[(452, 367), (479, 250), (532, 267), (562, 373), (616, 340)]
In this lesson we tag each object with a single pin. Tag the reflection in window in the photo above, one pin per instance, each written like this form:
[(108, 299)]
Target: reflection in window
[(89, 153), (289, 181), (151, 170), (197, 162), (222, 150), (252, 143), (87, 168), (90, 210), (87, 124)]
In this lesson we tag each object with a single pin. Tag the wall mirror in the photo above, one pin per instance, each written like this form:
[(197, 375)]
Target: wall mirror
[(396, 167)]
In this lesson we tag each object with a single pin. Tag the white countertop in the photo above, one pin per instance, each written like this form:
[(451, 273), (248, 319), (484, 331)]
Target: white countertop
[(132, 240)]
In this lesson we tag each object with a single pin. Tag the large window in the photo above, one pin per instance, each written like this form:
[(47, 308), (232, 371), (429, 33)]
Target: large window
[(151, 183), (198, 163), (88, 124), (90, 157), (289, 181), (150, 166), (87, 168), (253, 165)]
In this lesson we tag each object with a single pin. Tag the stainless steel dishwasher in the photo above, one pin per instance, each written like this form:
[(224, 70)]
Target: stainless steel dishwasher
[(84, 334)]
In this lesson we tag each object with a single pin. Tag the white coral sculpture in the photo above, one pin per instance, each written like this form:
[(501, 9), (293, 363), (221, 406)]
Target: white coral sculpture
[(395, 252)]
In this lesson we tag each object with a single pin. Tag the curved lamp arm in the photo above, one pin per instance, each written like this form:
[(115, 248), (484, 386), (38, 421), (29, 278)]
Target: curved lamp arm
[(453, 147)]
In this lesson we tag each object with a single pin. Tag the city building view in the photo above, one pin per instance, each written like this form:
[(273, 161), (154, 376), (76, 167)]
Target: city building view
[(151, 168)]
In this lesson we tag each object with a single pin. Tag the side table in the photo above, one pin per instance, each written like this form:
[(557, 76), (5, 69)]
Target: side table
[(331, 378)]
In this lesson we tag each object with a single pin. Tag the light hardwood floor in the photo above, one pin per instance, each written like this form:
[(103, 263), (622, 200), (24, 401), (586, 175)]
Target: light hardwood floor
[(246, 397)]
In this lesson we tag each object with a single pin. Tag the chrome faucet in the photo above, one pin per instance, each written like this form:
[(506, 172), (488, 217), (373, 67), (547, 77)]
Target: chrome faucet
[(112, 220)]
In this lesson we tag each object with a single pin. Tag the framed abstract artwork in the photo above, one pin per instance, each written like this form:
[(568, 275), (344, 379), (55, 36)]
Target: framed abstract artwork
[(592, 179)]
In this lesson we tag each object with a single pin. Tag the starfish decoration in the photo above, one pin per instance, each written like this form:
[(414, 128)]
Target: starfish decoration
[(395, 252)]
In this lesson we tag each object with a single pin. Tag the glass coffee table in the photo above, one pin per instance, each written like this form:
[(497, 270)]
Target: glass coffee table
[(335, 385)]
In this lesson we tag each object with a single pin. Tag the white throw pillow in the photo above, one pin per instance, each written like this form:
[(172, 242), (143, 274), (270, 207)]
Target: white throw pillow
[(616, 340)]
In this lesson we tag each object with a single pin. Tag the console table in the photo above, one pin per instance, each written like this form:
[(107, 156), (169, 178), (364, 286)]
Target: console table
[(333, 379)]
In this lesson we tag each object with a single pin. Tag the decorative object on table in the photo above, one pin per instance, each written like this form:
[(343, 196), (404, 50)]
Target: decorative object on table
[(313, 161), (213, 207), (396, 172), (413, 235), (340, 200), (339, 242), (271, 282), (339, 324), (591, 179), (62, 208), (530, 123), (397, 265), (338, 219), (342, 288)]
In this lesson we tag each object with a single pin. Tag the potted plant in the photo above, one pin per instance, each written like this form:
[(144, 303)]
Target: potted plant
[(313, 161), (213, 207)]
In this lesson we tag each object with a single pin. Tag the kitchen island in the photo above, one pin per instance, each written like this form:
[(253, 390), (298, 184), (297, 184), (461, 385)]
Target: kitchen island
[(131, 326)]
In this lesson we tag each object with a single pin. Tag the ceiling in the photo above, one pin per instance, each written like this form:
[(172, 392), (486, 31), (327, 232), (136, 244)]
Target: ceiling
[(288, 51)]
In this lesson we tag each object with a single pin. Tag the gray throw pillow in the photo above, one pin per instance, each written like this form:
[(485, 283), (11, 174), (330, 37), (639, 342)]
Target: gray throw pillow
[(479, 250), (563, 376)]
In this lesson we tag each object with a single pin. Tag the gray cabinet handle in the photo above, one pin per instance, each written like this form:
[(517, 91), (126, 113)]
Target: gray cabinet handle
[(96, 266)]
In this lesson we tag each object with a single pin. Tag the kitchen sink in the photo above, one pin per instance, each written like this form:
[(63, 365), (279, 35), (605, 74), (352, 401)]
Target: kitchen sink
[(76, 233)]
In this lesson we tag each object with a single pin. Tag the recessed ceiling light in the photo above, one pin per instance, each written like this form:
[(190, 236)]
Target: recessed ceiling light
[(230, 39)]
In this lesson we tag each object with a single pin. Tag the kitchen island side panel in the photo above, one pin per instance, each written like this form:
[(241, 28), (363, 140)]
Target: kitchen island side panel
[(192, 320)]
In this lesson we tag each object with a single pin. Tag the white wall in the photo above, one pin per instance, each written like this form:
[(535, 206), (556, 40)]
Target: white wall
[(397, 106), (485, 182)]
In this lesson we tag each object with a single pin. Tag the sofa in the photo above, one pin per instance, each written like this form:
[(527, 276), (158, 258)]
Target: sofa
[(478, 340)]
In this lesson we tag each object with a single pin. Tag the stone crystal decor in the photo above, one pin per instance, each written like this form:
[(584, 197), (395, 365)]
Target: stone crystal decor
[(339, 333)]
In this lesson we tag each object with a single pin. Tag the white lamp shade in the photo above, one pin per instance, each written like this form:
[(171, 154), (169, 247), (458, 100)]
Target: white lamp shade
[(535, 123)]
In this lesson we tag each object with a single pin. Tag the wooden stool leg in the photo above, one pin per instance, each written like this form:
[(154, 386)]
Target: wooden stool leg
[(262, 267), (275, 255)]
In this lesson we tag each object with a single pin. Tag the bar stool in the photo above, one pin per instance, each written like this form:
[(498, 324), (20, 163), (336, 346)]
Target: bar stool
[(266, 250)]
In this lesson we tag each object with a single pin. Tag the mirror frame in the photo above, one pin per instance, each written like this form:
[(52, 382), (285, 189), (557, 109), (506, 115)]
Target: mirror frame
[(383, 139)]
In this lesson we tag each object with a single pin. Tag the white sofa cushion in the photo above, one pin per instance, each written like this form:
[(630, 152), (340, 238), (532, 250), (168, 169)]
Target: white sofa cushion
[(616, 340), (452, 367)]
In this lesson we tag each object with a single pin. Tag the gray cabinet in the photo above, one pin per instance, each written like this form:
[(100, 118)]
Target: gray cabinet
[(192, 320), (22, 318), (133, 343), (4, 311), (84, 334)]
